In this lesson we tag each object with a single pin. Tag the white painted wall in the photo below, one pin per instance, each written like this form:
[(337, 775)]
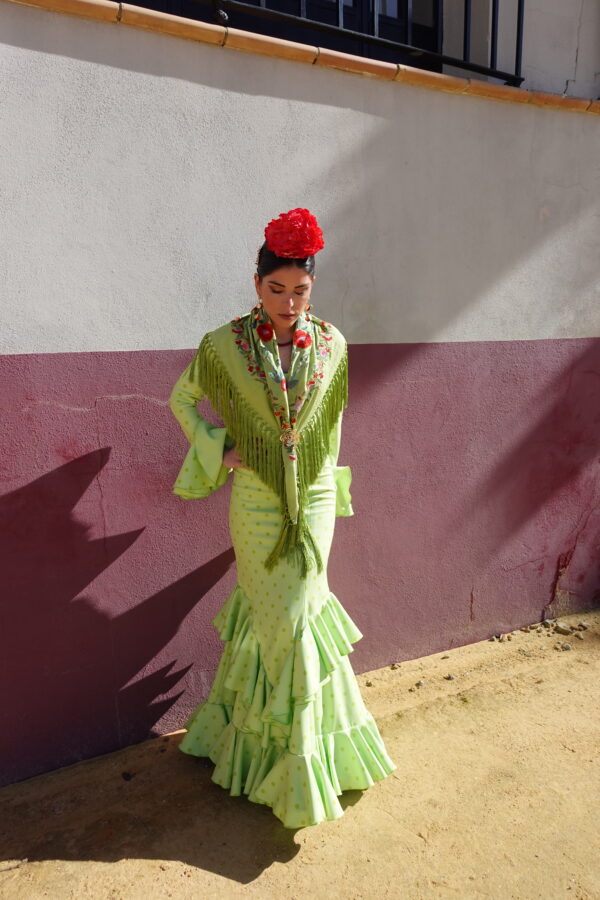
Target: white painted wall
[(561, 43), (562, 47), (138, 172)]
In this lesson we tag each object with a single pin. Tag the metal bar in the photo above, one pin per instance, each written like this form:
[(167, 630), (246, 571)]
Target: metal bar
[(403, 17), (303, 9), (467, 32), (439, 25), (494, 37), (408, 11), (340, 13), (519, 47), (375, 20), (287, 18)]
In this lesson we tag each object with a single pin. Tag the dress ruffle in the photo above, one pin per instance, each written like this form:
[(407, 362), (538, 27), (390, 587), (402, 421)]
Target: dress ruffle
[(297, 743)]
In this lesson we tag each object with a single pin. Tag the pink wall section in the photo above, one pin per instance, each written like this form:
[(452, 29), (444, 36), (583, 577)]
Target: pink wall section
[(475, 490)]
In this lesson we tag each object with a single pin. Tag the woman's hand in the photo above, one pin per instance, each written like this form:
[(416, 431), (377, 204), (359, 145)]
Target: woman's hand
[(232, 460)]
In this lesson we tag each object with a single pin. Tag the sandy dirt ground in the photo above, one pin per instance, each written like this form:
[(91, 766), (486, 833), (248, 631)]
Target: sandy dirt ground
[(496, 795)]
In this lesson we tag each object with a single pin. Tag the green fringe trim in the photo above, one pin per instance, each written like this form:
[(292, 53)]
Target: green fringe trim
[(257, 444), (295, 540), (260, 448)]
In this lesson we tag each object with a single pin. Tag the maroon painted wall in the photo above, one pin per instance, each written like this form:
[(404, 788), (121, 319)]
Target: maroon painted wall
[(476, 495)]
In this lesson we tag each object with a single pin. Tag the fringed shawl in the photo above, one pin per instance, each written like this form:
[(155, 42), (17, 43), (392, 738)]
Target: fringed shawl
[(241, 395)]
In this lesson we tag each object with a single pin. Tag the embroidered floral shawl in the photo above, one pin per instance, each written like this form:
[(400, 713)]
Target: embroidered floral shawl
[(281, 422)]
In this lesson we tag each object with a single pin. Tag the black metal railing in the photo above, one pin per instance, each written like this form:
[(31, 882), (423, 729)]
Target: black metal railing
[(403, 31)]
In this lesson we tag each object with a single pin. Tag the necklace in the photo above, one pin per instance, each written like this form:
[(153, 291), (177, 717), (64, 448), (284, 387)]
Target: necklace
[(286, 344)]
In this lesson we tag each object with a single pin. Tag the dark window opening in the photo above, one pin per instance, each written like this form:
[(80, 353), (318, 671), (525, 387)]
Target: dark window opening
[(410, 32)]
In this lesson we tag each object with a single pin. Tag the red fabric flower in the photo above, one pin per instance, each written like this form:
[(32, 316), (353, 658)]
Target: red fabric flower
[(265, 331), (302, 338), (295, 234)]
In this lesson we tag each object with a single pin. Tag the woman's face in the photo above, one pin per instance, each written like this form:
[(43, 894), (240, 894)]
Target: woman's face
[(285, 293)]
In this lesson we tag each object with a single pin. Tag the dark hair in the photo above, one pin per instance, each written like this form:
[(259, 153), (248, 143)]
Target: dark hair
[(267, 262)]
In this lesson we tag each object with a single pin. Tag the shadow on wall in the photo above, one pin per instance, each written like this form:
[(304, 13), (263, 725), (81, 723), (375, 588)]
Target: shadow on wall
[(472, 462), (66, 692)]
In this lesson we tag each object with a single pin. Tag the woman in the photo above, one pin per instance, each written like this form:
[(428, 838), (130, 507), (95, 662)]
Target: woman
[(285, 722)]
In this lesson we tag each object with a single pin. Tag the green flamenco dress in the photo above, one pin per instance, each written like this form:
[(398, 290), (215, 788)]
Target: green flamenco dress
[(285, 722)]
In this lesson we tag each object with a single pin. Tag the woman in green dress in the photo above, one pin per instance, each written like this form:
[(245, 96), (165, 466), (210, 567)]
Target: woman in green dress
[(285, 722)]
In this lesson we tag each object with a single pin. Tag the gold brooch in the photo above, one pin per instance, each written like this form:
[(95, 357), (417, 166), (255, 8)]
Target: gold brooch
[(290, 437)]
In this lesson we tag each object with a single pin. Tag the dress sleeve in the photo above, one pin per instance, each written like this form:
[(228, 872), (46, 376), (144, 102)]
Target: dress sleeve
[(342, 474), (202, 471)]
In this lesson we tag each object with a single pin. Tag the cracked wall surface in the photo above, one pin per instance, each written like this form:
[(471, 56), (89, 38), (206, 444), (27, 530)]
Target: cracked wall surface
[(561, 47), (462, 265), (485, 475)]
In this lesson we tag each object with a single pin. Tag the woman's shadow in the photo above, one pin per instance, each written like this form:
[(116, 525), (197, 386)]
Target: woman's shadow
[(72, 697)]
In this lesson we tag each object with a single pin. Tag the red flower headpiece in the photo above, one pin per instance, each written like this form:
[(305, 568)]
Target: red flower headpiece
[(295, 234)]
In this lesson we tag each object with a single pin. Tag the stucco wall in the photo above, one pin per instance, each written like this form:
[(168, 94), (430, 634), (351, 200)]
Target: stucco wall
[(461, 263), (561, 43), (139, 170), (562, 47)]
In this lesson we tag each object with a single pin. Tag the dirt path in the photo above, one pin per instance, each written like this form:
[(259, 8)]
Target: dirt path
[(496, 795)]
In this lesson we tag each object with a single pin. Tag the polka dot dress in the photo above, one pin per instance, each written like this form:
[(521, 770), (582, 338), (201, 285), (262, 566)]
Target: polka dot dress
[(285, 722)]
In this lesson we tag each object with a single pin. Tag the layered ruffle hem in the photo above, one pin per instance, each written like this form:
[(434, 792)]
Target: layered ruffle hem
[(294, 745)]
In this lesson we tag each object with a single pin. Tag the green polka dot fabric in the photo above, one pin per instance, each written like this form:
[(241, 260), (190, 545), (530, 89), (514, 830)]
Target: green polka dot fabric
[(285, 723)]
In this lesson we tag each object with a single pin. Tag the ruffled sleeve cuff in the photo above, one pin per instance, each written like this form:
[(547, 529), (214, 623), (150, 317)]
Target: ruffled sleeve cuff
[(343, 499), (203, 471)]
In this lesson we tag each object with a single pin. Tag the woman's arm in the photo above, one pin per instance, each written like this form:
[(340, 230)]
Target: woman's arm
[(203, 470), (342, 474)]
